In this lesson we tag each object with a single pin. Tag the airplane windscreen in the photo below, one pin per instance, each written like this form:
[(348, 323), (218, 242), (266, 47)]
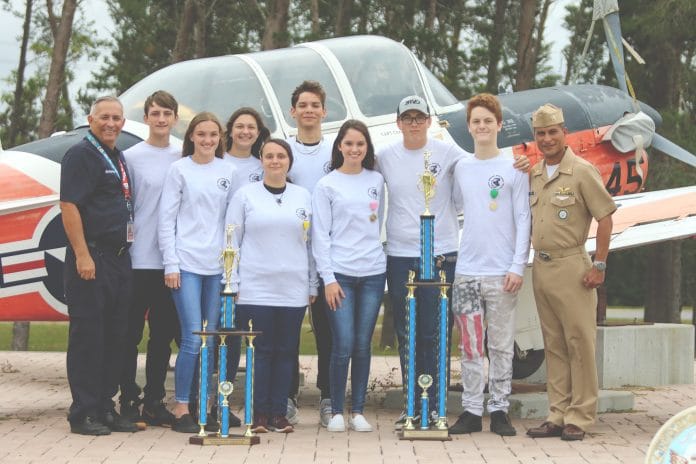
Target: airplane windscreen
[(443, 97), (220, 85), (299, 64), (381, 72)]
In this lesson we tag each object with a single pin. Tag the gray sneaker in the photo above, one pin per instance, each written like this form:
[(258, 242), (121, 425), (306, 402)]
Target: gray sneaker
[(291, 414), (399, 423), (325, 411)]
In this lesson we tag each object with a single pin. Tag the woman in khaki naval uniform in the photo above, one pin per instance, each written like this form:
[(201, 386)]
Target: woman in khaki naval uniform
[(566, 193)]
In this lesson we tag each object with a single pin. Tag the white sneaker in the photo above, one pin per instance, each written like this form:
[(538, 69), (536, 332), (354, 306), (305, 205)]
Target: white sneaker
[(336, 424), (325, 412), (291, 413), (360, 424)]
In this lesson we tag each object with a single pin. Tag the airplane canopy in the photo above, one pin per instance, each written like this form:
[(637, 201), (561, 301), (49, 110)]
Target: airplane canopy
[(364, 77)]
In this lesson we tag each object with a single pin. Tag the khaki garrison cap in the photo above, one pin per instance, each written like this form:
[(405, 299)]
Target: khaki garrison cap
[(547, 115)]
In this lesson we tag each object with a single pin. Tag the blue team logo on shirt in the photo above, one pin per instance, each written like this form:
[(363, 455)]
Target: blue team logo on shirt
[(372, 193), (434, 168), (302, 214), (327, 167), (223, 183), (496, 182), (256, 176)]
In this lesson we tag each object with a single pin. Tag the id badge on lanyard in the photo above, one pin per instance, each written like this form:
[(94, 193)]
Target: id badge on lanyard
[(125, 186)]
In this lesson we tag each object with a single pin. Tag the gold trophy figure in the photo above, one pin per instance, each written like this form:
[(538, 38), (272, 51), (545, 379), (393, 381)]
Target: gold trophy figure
[(229, 258), (426, 182)]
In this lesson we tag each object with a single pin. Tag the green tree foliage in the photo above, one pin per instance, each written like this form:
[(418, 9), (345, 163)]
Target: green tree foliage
[(450, 36), (82, 44)]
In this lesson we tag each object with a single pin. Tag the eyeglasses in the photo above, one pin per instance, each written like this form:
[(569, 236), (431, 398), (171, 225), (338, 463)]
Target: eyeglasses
[(420, 119)]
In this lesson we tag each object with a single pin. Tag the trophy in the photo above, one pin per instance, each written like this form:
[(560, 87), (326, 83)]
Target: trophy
[(229, 259), (425, 381), (222, 436), (426, 184), (426, 278)]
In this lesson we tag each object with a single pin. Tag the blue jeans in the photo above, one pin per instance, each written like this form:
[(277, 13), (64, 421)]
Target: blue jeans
[(276, 350), (426, 318), (352, 325), (197, 299)]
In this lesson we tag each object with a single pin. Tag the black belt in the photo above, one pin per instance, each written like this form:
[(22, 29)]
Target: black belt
[(548, 255), (118, 249)]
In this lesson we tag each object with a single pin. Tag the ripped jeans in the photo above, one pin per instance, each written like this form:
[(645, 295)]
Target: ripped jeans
[(477, 302)]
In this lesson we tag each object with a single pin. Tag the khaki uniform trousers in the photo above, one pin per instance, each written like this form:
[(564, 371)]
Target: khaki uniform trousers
[(568, 313)]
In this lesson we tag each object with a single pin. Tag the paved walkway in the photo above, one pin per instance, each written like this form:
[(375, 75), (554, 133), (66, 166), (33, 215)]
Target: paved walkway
[(34, 398)]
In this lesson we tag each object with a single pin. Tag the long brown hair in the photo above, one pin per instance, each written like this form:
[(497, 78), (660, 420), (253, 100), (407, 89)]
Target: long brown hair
[(337, 157), (187, 149)]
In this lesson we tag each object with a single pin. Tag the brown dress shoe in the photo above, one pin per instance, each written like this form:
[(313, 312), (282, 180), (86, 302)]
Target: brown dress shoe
[(545, 430), (572, 432)]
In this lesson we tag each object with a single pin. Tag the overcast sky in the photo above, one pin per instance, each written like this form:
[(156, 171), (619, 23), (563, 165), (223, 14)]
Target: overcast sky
[(96, 9)]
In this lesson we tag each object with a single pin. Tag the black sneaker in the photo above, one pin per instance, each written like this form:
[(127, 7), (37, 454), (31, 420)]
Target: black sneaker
[(234, 420), (280, 424), (466, 423), (186, 424), (157, 414), (89, 426), (116, 423), (130, 410), (211, 423), (500, 424)]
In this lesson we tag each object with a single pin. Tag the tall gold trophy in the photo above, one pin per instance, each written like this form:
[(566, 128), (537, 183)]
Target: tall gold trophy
[(427, 277)]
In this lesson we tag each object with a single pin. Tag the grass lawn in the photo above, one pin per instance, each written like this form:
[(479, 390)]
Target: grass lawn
[(53, 336)]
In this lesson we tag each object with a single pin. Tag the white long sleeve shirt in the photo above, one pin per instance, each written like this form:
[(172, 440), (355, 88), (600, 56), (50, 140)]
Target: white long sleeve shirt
[(310, 162), (401, 169), (275, 264), (192, 215), (147, 169), (495, 241), (249, 169), (346, 225)]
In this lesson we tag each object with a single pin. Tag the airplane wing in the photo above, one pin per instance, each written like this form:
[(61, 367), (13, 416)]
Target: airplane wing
[(651, 217)]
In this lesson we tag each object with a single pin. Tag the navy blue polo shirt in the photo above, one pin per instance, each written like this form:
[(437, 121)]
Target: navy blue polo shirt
[(89, 181)]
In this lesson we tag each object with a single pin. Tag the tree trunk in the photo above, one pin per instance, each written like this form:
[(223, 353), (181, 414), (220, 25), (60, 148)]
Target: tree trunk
[(495, 46), (429, 26), (314, 8), (56, 73), (456, 22), (526, 53), (343, 17), (183, 35), (18, 104), (199, 31), (275, 33), (20, 336), (663, 298)]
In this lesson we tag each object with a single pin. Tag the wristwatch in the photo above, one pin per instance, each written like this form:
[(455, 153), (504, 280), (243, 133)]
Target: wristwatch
[(601, 266)]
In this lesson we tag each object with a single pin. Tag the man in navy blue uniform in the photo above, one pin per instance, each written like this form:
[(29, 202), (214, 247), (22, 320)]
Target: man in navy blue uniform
[(97, 217)]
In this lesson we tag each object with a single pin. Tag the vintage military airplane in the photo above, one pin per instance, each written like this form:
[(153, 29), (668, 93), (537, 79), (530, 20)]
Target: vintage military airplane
[(365, 77)]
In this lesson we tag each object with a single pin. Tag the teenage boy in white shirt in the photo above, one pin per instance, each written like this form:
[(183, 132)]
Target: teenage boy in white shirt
[(148, 163), (493, 253), (312, 158)]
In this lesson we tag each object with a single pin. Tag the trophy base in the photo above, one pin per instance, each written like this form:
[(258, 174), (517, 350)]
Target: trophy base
[(431, 434), (215, 439)]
